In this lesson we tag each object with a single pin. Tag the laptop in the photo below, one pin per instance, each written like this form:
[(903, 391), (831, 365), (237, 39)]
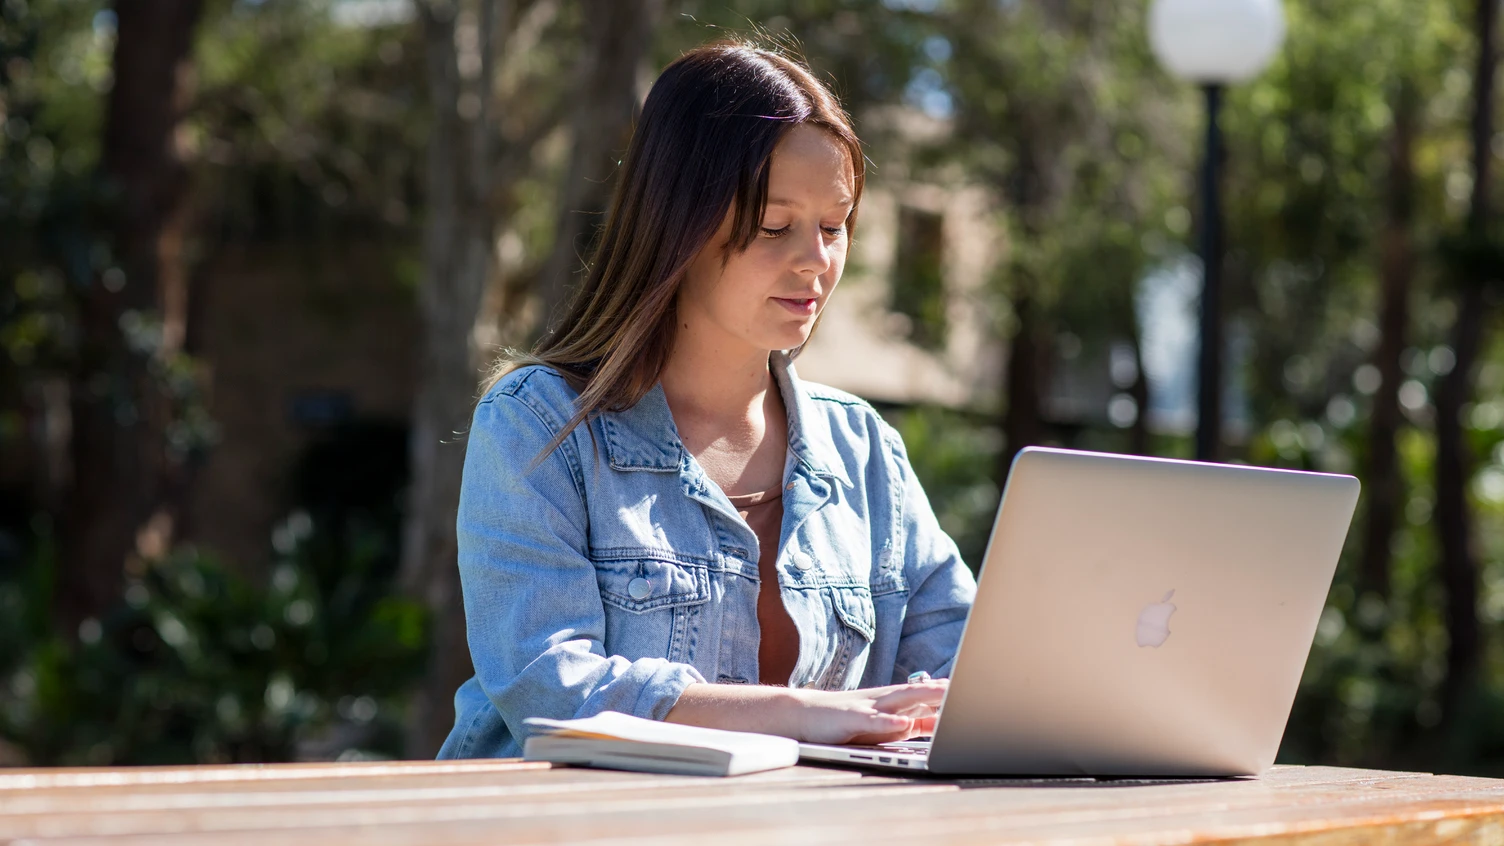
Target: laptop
[(1134, 617)]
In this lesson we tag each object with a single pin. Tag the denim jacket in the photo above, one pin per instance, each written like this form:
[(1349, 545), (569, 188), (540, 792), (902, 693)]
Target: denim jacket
[(615, 573)]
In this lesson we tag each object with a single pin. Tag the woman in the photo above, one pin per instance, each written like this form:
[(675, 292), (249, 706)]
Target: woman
[(658, 516)]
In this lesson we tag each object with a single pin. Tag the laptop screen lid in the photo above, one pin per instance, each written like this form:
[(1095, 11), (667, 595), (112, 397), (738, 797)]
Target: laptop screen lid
[(1141, 616)]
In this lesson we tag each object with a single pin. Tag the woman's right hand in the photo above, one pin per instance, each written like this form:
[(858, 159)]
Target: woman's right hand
[(866, 716)]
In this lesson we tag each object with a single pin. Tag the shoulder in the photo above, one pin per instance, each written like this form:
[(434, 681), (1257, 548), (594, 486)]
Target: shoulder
[(854, 423), (538, 387)]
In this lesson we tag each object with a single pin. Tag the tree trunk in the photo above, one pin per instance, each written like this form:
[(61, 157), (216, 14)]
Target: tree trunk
[(467, 173), (1138, 434), (1454, 463), (618, 35), (1385, 488), (124, 476), (1024, 411), (458, 235)]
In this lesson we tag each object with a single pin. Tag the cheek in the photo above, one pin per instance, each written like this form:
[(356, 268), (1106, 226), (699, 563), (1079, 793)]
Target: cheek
[(838, 261), (748, 277)]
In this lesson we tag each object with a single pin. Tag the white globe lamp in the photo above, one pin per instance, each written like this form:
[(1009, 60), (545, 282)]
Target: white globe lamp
[(1216, 41), (1213, 43)]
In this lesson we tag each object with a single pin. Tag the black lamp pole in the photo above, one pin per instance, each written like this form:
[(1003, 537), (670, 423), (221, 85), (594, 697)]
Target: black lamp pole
[(1209, 377)]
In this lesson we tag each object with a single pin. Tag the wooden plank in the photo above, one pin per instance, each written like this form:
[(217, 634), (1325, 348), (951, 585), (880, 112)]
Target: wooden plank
[(796, 805), (163, 808), (1448, 827), (290, 820), (532, 782), (29, 779)]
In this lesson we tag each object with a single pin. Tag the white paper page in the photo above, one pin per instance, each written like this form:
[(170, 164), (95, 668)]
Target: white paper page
[(612, 724)]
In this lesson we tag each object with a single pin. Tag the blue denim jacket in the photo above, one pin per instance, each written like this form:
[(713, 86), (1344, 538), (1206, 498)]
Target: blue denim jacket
[(615, 573)]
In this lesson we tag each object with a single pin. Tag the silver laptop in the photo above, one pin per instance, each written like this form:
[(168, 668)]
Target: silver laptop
[(1135, 617)]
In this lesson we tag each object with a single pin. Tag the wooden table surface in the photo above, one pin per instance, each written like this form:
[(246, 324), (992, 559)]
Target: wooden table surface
[(511, 802)]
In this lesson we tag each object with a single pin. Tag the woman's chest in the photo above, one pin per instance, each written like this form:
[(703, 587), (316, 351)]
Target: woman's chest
[(678, 573)]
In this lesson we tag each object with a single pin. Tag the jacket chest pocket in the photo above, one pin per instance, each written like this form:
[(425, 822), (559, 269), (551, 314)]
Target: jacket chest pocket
[(851, 627), (653, 607)]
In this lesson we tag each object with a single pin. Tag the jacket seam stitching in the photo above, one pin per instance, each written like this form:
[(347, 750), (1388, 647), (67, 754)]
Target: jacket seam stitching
[(571, 457)]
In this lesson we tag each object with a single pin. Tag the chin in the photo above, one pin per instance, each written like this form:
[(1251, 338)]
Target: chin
[(787, 334), (796, 338)]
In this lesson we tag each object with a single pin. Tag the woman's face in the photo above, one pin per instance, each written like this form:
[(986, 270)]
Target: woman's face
[(767, 297)]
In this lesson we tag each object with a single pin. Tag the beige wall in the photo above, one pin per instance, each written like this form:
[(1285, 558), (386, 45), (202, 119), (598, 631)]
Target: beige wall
[(860, 345), (277, 321)]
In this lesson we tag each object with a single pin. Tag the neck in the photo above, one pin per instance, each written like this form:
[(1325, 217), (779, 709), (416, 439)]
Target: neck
[(727, 410), (709, 382)]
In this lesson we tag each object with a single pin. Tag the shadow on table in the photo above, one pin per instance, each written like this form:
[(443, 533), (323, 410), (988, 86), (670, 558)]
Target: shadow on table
[(1074, 781)]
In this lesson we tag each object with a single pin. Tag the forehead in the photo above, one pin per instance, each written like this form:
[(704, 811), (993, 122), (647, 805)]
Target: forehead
[(809, 166)]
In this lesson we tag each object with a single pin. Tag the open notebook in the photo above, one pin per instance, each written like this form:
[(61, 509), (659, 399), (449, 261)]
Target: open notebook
[(616, 741)]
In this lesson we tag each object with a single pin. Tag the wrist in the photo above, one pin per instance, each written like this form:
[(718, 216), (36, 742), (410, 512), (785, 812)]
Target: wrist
[(793, 708)]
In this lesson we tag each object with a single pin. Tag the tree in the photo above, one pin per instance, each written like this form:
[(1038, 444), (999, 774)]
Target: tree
[(606, 105), (1476, 268), (492, 71), (1396, 272), (1054, 111), (458, 238), (127, 484)]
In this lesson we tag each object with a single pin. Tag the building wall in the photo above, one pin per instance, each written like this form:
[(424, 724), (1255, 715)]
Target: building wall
[(861, 344), (302, 338), (298, 340)]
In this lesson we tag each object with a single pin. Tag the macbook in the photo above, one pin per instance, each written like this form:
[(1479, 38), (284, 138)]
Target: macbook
[(1134, 617)]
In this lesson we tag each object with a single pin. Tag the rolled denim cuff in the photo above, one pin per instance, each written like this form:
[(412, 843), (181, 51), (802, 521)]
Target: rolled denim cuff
[(661, 691)]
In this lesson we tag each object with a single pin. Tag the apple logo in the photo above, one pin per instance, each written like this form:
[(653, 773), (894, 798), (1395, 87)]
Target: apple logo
[(1154, 622)]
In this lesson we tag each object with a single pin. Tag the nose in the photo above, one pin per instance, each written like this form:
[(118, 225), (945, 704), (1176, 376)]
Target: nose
[(812, 253)]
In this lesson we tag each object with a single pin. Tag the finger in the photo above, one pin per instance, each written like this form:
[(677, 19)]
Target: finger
[(891, 688), (876, 737), (908, 696), (920, 709), (922, 727)]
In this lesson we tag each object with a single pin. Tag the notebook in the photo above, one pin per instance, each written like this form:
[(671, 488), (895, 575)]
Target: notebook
[(616, 741)]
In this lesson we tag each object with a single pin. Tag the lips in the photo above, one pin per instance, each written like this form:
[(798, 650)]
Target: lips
[(798, 305)]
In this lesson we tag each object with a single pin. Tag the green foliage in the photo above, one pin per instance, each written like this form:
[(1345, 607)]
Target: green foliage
[(1371, 692), (49, 124), (1308, 164), (199, 665), (955, 457), (306, 130)]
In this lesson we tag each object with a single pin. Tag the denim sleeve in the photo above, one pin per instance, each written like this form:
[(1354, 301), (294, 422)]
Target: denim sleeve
[(941, 588), (532, 605)]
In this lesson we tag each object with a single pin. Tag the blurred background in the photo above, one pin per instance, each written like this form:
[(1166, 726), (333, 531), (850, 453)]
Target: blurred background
[(254, 255)]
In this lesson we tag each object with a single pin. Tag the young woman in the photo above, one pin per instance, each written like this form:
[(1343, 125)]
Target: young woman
[(658, 516)]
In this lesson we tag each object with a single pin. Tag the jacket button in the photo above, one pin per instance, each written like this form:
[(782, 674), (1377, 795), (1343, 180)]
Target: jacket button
[(639, 588), (802, 561)]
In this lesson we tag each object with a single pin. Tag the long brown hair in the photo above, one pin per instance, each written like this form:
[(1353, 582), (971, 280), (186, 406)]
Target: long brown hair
[(703, 143)]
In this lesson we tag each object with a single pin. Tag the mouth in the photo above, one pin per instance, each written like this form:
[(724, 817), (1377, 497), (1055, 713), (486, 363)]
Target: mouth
[(799, 305)]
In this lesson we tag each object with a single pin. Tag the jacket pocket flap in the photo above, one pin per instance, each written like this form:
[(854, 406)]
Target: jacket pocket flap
[(854, 607), (648, 585)]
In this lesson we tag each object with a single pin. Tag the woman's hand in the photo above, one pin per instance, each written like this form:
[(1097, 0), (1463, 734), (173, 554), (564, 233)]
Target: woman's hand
[(871, 715), (867, 716)]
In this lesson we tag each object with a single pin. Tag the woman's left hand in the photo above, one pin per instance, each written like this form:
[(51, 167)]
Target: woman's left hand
[(871, 715), (867, 716)]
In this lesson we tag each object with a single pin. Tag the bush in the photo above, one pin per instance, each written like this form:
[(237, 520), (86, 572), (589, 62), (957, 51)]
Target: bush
[(198, 665)]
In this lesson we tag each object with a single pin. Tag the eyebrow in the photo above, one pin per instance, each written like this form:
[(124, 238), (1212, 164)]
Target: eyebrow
[(795, 204)]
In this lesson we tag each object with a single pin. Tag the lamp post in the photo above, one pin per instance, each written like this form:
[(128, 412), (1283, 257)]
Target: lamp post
[(1213, 43)]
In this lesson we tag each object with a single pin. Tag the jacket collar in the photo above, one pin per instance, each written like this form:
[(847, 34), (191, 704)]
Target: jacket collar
[(644, 437)]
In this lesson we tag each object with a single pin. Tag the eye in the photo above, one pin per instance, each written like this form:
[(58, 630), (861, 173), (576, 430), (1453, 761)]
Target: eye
[(774, 233), (834, 230)]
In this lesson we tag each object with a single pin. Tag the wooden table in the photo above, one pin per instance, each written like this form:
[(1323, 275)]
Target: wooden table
[(510, 802)]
